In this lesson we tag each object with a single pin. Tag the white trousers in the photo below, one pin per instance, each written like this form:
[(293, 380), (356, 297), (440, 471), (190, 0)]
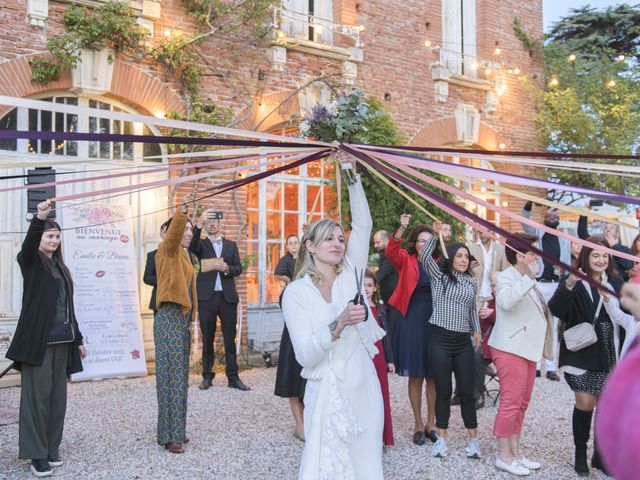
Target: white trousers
[(547, 289)]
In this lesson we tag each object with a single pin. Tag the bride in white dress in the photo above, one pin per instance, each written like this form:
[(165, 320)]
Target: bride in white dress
[(343, 414)]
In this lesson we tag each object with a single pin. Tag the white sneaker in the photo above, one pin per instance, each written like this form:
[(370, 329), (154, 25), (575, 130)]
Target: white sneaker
[(439, 448), (514, 467), (473, 449), (530, 464)]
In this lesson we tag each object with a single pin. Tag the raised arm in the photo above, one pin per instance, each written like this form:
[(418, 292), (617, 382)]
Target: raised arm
[(510, 292), (361, 225), (31, 243), (583, 228), (526, 213), (561, 303), (175, 232), (427, 260)]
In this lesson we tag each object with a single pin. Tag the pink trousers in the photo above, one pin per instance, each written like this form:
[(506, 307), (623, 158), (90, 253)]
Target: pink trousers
[(517, 376)]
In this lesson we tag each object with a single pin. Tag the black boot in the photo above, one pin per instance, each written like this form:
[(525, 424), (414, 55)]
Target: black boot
[(581, 430), (596, 460)]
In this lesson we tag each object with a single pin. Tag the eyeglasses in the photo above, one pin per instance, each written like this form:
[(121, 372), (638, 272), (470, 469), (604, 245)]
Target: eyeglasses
[(421, 241)]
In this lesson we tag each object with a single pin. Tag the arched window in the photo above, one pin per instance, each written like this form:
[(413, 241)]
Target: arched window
[(46, 121), (278, 207), (146, 205)]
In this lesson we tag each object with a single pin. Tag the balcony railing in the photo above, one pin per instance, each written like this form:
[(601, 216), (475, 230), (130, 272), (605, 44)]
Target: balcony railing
[(459, 63), (312, 28)]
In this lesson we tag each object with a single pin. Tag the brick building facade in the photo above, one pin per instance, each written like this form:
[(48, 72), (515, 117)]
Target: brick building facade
[(451, 73)]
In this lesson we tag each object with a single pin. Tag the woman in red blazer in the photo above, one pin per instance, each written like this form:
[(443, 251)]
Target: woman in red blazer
[(411, 309)]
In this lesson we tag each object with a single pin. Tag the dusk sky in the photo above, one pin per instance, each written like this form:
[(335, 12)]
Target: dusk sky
[(554, 10)]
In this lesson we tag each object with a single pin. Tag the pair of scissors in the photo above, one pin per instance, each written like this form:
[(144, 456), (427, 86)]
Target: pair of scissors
[(359, 299)]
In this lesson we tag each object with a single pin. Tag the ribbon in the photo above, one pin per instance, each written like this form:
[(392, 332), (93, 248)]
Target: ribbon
[(500, 153), (543, 201), (46, 160), (449, 169), (155, 139), (167, 182), (464, 215), (165, 168), (145, 119), (514, 216)]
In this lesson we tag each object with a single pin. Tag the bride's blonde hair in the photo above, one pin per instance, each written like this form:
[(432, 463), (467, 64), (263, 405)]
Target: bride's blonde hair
[(318, 232)]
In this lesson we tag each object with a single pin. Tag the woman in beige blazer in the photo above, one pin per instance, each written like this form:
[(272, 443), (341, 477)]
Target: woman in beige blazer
[(520, 336)]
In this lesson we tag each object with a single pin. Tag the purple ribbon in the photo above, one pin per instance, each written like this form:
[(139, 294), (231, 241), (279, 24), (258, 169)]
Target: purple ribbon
[(439, 200), (117, 137), (443, 167)]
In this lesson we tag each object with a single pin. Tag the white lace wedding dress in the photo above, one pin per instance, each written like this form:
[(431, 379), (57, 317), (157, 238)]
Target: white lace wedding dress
[(343, 415)]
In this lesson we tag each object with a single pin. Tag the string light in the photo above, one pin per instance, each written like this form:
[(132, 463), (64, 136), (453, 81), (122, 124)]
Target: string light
[(516, 71), (427, 43), (620, 58), (611, 83), (571, 58), (167, 33), (554, 82), (497, 51), (488, 71)]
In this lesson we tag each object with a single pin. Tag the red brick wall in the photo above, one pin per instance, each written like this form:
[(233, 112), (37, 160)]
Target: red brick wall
[(396, 63)]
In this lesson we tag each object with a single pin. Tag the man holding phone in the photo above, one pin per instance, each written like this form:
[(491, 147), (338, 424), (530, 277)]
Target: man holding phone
[(217, 296)]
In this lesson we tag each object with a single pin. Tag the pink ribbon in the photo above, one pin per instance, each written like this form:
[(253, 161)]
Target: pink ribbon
[(392, 159), (177, 180), (165, 168)]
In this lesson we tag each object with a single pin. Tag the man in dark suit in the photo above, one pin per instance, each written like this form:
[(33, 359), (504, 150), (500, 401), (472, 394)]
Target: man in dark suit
[(217, 296), (387, 275), (150, 277)]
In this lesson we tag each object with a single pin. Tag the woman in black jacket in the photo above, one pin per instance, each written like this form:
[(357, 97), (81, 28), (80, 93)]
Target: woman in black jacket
[(586, 370), (47, 344)]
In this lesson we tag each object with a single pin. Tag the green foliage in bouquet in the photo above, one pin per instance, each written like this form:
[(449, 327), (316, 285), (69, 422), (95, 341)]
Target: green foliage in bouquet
[(358, 118)]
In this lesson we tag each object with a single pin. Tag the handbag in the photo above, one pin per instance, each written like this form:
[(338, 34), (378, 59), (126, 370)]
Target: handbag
[(582, 335), (61, 333)]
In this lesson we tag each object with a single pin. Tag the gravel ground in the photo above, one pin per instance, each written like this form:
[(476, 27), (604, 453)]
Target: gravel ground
[(110, 434)]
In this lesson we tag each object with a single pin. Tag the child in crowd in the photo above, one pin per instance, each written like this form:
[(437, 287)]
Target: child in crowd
[(383, 361)]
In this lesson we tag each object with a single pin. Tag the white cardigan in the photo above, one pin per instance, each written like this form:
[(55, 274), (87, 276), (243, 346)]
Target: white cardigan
[(308, 315), (522, 327)]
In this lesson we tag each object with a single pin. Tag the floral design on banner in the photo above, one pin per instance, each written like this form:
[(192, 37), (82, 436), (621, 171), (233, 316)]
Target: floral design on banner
[(98, 214)]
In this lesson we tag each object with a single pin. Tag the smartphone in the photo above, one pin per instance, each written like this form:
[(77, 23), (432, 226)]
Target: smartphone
[(215, 215)]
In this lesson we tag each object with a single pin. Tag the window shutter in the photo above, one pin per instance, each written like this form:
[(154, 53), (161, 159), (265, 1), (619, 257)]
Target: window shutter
[(452, 34), (324, 10), (296, 18), (469, 34)]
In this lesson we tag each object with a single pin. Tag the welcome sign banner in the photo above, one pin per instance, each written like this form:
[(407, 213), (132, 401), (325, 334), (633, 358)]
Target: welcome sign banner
[(101, 258)]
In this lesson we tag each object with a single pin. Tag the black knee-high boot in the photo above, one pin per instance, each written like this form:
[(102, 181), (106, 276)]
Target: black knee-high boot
[(596, 459), (581, 431)]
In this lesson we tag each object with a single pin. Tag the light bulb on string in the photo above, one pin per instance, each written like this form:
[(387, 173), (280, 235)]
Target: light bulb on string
[(427, 43), (497, 51), (554, 82), (611, 83), (571, 58), (516, 71), (620, 58), (488, 71)]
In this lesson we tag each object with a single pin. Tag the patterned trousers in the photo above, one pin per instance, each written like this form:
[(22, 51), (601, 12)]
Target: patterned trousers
[(171, 337)]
